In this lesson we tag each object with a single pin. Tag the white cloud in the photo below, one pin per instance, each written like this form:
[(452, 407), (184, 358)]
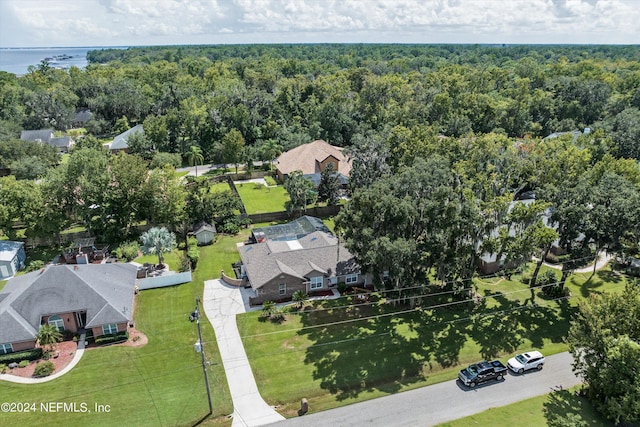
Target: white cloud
[(131, 22)]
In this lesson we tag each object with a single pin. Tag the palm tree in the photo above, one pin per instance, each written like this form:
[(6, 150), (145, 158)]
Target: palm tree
[(270, 150), (48, 336), (194, 156), (299, 297), (157, 241), (268, 309)]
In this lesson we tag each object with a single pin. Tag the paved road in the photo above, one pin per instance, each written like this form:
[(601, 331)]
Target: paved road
[(446, 401)]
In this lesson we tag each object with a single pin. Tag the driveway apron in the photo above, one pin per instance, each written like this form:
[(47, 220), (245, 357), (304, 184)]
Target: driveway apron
[(221, 303)]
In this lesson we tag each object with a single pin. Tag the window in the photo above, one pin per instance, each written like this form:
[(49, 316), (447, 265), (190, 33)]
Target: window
[(316, 282), (111, 328), (351, 278), (282, 289), (6, 348), (56, 321)]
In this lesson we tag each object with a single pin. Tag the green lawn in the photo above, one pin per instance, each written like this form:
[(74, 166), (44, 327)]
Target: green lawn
[(556, 409), (2, 283), (172, 259), (333, 360), (160, 384), (261, 199)]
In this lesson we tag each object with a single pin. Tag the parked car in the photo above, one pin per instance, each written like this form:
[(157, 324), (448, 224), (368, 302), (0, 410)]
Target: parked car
[(526, 361), (480, 372)]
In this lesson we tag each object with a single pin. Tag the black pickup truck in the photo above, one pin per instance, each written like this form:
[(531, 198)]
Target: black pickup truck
[(481, 372)]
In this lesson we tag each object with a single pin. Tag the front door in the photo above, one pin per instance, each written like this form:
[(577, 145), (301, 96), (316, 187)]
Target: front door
[(81, 318)]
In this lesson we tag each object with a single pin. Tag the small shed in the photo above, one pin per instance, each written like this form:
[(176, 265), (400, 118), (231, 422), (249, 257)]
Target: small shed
[(204, 232), (12, 258)]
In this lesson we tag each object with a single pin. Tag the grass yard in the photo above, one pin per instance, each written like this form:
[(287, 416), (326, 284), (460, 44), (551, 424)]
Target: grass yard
[(2, 283), (557, 409), (160, 384), (336, 354), (261, 199), (172, 259)]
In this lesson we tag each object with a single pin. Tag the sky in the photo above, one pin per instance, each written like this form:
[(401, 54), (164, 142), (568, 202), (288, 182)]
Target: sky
[(49, 23)]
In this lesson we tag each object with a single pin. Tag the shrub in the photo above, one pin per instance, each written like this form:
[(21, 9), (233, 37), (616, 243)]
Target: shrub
[(192, 252), (552, 258), (185, 263), (127, 251), (112, 338), (342, 287), (161, 159), (230, 227), (23, 364), (19, 356), (3, 368), (270, 180), (35, 265), (43, 369), (259, 186), (67, 335)]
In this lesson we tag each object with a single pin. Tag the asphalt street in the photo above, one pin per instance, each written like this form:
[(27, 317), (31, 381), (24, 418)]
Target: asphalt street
[(446, 401)]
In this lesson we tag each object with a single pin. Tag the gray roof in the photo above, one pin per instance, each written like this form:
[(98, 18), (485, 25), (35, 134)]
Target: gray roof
[(9, 249), (316, 252), (292, 230), (105, 291), (120, 141), (63, 141), (42, 135), (203, 226), (83, 116)]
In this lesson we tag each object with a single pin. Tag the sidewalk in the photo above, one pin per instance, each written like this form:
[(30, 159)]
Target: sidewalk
[(221, 303), (70, 366), (603, 260)]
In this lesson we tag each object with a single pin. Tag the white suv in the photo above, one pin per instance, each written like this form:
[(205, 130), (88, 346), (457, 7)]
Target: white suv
[(524, 362)]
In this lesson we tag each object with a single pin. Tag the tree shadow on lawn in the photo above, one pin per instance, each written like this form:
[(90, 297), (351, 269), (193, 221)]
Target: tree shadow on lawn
[(363, 355), (564, 408), (503, 329)]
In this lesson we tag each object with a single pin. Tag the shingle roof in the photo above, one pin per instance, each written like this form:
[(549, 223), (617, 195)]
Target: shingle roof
[(120, 141), (308, 156), (63, 141), (42, 135), (317, 251), (203, 226), (9, 249), (105, 291)]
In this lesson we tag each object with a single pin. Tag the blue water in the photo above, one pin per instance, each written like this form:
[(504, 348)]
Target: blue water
[(18, 60)]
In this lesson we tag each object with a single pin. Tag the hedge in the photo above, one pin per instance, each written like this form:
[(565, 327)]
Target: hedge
[(112, 338), (33, 354)]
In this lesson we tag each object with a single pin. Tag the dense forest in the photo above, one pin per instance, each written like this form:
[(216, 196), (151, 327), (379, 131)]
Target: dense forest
[(481, 113)]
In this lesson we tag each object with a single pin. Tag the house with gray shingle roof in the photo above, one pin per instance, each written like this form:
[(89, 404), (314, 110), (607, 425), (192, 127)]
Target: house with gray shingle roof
[(120, 143), (46, 136), (96, 297), (276, 269)]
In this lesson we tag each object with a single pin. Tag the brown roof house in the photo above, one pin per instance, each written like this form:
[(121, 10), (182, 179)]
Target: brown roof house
[(97, 297), (315, 262), (312, 159)]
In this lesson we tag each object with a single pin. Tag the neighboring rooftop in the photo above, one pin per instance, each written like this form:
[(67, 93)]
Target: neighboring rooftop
[(8, 249), (120, 141), (308, 157), (105, 291), (290, 231)]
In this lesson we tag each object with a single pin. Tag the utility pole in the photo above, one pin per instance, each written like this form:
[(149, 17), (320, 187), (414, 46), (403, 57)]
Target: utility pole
[(200, 348)]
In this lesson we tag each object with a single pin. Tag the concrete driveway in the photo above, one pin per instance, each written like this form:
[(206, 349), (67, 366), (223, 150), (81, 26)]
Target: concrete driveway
[(221, 303)]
